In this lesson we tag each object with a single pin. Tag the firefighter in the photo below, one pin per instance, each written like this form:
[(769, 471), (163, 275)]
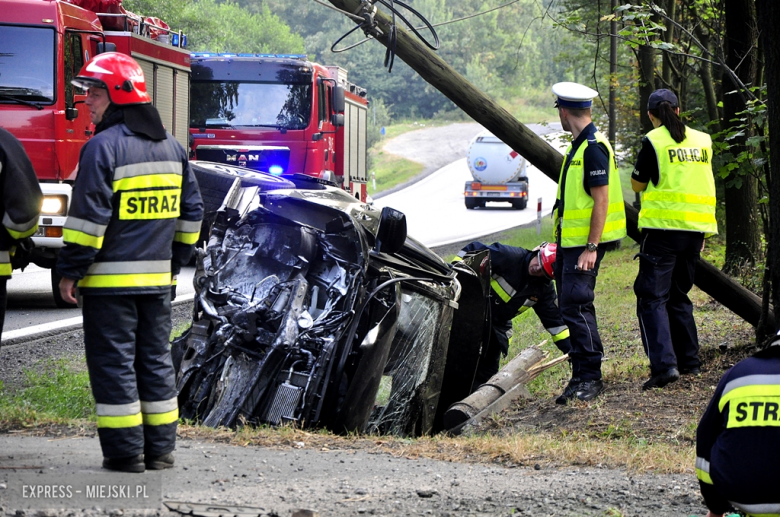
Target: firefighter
[(20, 206), (674, 173), (134, 218), (736, 441), (588, 212), (522, 280)]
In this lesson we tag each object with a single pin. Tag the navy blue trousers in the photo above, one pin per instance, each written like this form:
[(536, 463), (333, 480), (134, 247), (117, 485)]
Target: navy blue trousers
[(667, 264), (575, 300), (126, 339)]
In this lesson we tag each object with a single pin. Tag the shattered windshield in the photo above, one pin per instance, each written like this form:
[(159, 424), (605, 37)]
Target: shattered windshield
[(244, 104), (26, 64)]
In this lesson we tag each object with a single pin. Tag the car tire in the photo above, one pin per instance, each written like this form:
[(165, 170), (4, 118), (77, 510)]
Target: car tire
[(520, 205), (471, 203)]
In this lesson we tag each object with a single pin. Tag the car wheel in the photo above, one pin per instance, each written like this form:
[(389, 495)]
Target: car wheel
[(471, 203), (520, 205)]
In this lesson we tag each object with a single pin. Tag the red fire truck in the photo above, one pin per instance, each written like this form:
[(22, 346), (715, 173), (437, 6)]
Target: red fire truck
[(280, 114), (43, 44)]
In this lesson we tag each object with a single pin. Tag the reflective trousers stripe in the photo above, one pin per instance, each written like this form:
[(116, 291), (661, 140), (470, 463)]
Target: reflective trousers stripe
[(160, 406), (5, 263), (161, 418), (119, 422), (758, 510)]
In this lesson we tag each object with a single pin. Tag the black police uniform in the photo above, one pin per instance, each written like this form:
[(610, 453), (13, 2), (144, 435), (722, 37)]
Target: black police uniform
[(20, 206), (575, 287), (134, 219), (667, 267), (514, 291), (737, 453)]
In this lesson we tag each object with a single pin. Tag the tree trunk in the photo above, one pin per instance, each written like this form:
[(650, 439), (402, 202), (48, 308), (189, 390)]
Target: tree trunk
[(743, 227), (707, 84), (646, 62), (768, 23), (668, 36)]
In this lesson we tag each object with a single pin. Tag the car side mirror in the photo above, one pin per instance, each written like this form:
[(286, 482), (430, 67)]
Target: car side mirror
[(106, 47), (391, 234), (71, 113), (337, 119), (339, 102)]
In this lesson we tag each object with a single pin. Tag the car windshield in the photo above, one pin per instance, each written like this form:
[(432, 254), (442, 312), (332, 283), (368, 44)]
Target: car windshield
[(26, 64), (242, 104)]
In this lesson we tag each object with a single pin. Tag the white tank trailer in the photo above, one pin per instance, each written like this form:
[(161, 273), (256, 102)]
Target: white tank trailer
[(499, 173)]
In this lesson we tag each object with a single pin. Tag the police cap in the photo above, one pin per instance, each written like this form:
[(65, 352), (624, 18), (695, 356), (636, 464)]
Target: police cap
[(573, 95)]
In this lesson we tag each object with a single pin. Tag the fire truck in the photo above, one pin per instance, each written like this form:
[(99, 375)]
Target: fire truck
[(280, 114), (43, 45)]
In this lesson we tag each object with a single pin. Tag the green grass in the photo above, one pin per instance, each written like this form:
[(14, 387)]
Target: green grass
[(391, 170), (57, 391)]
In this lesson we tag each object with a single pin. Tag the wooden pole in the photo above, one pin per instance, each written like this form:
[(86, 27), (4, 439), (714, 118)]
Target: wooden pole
[(502, 124)]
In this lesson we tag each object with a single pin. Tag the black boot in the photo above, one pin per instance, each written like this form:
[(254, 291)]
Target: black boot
[(589, 390), (127, 464), (662, 379), (163, 461), (570, 392)]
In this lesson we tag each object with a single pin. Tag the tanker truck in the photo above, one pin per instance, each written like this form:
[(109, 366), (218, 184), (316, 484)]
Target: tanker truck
[(499, 173)]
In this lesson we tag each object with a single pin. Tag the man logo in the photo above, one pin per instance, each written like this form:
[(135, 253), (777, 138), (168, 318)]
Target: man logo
[(242, 158)]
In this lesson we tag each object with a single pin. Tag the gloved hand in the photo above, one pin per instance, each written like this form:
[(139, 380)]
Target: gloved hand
[(20, 253), (173, 292)]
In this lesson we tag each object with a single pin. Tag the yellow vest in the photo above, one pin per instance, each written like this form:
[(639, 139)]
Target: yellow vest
[(578, 205), (684, 198)]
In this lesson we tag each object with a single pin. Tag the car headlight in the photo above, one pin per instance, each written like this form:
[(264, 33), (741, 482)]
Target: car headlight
[(54, 205)]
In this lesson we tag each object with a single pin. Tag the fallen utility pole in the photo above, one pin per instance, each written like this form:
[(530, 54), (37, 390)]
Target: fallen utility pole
[(535, 149)]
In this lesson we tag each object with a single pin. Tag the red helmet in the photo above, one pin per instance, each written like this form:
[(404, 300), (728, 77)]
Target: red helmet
[(119, 74), (546, 257)]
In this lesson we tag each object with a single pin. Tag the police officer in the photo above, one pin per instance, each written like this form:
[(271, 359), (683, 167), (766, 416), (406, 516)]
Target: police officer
[(588, 212), (20, 206), (134, 218), (736, 441), (674, 173), (521, 280)]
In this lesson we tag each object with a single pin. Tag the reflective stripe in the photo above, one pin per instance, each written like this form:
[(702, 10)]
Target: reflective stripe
[(148, 280), (160, 406), (522, 309), (119, 422), (526, 305), (82, 225), (186, 238), (161, 418), (20, 230), (171, 180), (584, 231), (557, 336), (130, 267), (118, 409), (146, 169), (502, 288), (677, 197), (678, 215), (612, 208), (750, 386), (183, 225), (5, 269), (457, 259), (703, 470), (81, 238), (758, 510), (5, 256)]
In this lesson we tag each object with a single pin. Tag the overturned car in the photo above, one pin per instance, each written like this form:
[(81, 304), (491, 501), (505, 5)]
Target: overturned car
[(314, 309)]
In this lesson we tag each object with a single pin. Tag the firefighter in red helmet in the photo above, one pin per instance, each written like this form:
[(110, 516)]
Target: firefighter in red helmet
[(521, 279), (134, 219)]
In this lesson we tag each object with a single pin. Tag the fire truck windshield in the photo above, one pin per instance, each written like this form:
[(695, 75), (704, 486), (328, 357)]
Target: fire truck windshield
[(26, 64), (248, 105)]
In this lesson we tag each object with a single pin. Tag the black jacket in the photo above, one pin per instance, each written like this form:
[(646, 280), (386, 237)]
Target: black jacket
[(514, 291), (20, 198), (135, 214)]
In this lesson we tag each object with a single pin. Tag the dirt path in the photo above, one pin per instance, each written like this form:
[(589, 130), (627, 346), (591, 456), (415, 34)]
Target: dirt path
[(333, 483)]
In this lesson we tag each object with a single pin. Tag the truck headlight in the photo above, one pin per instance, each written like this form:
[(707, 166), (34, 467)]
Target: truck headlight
[(54, 205)]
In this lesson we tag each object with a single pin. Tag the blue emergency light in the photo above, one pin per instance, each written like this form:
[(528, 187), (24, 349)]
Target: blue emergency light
[(275, 170)]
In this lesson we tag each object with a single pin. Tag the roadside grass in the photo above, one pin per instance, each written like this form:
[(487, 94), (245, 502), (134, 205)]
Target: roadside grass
[(390, 170), (56, 392)]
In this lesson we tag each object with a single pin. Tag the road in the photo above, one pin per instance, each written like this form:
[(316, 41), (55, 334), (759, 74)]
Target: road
[(435, 211), (434, 208)]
